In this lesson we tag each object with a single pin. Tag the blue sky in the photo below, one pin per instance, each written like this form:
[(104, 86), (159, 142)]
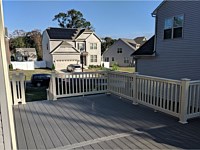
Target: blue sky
[(126, 19)]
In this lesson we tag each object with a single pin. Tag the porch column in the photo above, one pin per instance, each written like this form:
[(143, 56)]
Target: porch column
[(5, 92)]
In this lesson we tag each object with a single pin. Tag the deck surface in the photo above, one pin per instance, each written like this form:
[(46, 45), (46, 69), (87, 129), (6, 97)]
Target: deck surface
[(100, 122)]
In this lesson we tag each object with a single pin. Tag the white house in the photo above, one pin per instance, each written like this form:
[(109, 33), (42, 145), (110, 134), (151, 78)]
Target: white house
[(64, 46), (26, 54), (120, 52)]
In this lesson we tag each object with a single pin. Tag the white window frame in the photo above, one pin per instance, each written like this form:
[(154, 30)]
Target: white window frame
[(93, 58), (172, 28), (93, 46), (119, 50)]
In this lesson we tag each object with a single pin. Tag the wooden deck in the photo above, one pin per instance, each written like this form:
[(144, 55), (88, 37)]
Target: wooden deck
[(100, 122)]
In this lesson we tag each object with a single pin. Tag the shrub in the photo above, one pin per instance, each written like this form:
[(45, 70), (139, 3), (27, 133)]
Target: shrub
[(53, 67), (115, 67), (10, 67)]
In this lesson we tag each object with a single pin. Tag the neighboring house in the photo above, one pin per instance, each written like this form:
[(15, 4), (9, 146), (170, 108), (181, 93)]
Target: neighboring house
[(120, 52), (174, 51), (25, 54), (63, 46), (140, 40)]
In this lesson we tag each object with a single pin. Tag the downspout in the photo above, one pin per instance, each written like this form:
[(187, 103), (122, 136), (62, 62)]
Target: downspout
[(155, 16)]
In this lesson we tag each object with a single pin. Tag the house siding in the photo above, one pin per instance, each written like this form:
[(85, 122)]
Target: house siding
[(119, 57), (93, 39), (176, 58), (46, 52)]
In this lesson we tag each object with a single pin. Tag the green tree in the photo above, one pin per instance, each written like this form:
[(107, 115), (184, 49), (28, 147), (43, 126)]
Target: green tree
[(72, 19), (34, 39), (106, 43)]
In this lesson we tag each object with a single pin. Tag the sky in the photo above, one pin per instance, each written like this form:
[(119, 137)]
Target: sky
[(116, 19)]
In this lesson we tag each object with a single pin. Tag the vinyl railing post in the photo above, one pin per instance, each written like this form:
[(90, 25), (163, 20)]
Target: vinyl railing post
[(135, 88), (22, 82), (53, 77), (108, 82), (14, 89), (185, 83)]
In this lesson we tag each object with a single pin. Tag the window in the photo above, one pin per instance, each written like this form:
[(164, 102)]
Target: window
[(81, 46), (113, 59), (47, 46), (126, 60), (93, 45), (93, 58), (119, 50), (106, 59), (173, 27)]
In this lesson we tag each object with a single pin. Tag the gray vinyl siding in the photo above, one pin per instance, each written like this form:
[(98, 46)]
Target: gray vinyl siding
[(119, 57), (176, 58)]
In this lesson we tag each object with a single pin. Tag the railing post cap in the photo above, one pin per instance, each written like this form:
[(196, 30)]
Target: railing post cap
[(185, 79), (136, 72)]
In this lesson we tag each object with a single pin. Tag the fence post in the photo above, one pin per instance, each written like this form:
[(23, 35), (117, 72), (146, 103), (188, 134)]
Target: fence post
[(22, 82), (135, 88), (185, 83), (53, 77)]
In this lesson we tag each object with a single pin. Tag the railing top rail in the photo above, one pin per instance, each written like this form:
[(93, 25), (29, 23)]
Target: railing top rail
[(159, 79), (79, 73), (120, 73), (195, 82)]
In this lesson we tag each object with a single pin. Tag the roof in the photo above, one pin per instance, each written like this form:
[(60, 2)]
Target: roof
[(65, 33), (129, 42), (155, 11), (61, 33), (64, 44), (146, 49), (26, 49), (140, 40)]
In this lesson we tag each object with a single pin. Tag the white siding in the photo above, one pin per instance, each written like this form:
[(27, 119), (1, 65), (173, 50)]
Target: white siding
[(46, 52), (93, 39)]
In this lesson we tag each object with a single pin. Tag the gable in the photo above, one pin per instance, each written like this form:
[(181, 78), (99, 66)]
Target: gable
[(64, 47), (112, 50)]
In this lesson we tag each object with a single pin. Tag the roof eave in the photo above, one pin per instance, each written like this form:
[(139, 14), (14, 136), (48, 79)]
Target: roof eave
[(155, 11)]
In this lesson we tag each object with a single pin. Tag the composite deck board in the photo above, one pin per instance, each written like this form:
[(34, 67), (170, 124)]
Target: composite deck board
[(21, 143), (48, 125), (27, 129), (82, 121), (41, 126), (60, 120), (59, 137), (35, 131)]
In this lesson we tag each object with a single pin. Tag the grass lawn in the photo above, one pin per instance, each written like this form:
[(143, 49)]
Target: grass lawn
[(28, 73), (121, 69)]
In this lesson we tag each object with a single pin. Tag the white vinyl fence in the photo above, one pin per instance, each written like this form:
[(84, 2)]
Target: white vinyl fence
[(28, 65), (179, 98), (18, 88)]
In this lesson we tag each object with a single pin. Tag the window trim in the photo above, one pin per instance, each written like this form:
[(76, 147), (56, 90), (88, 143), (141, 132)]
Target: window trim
[(92, 58), (172, 34)]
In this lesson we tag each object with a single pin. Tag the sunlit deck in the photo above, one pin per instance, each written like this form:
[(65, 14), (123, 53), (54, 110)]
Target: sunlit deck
[(100, 122)]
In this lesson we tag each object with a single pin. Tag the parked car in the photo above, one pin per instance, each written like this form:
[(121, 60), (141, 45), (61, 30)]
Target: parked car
[(74, 68), (40, 79)]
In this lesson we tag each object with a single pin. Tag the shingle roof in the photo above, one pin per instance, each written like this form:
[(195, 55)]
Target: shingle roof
[(130, 42), (65, 33), (140, 40), (61, 33), (146, 49)]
